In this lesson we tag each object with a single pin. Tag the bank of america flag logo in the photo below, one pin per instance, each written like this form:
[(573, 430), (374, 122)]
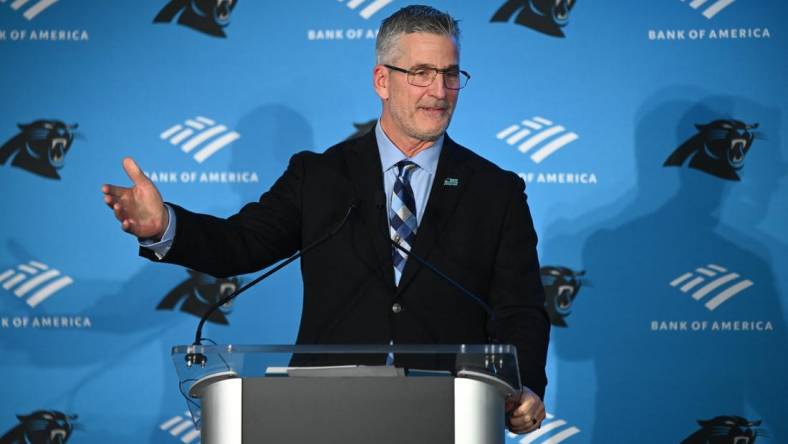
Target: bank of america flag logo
[(366, 9), (30, 8), (182, 427), (34, 282), (712, 282), (200, 135), (552, 431), (710, 8), (537, 135)]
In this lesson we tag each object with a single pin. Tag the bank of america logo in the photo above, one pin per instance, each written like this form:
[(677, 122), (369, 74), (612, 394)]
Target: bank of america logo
[(552, 431), (539, 135), (31, 9), (369, 8), (201, 135), (718, 283), (709, 8), (182, 427), (34, 282)]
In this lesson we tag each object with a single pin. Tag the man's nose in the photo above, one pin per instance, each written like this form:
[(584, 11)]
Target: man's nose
[(438, 88)]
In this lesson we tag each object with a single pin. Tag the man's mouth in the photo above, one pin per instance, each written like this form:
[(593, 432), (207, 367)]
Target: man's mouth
[(433, 110)]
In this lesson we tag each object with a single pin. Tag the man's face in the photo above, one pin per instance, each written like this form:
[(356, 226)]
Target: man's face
[(419, 112)]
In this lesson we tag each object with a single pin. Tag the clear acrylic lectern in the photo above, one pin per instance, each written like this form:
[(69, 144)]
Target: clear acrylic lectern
[(319, 393)]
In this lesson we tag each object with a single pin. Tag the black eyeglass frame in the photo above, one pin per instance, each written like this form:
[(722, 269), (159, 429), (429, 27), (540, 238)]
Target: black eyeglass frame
[(435, 72)]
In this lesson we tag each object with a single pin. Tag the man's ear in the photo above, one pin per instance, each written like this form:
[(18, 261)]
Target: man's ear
[(380, 81)]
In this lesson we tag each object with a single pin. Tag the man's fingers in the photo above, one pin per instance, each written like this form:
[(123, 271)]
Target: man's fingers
[(520, 425), (528, 402), (113, 190), (118, 210), (540, 413), (528, 415), (525, 423), (133, 171)]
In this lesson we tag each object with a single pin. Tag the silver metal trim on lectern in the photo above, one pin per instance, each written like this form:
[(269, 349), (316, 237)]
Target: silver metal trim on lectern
[(224, 403), (478, 412)]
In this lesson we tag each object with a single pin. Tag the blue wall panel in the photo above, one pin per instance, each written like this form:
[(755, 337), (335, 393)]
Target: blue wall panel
[(677, 306)]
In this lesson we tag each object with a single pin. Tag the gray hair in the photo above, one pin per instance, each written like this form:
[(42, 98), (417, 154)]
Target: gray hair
[(410, 19)]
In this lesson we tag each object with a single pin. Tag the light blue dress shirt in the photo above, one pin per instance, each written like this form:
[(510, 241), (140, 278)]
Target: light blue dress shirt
[(161, 248)]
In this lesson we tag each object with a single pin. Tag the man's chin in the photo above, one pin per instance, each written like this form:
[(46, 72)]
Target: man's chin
[(430, 136), (432, 132)]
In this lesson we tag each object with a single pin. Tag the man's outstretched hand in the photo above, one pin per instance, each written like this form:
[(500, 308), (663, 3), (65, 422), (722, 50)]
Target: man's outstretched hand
[(139, 209)]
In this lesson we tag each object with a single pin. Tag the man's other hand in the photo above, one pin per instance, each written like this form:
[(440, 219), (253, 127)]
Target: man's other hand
[(525, 413), (139, 209)]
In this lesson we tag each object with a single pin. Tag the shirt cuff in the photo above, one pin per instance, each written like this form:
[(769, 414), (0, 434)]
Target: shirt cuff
[(161, 247)]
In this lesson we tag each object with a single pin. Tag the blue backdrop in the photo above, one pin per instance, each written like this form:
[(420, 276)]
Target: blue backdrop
[(649, 135)]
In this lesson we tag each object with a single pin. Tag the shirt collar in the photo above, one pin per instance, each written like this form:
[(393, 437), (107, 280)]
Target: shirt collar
[(390, 154)]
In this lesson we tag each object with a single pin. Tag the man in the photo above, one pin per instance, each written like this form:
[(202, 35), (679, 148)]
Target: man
[(406, 181)]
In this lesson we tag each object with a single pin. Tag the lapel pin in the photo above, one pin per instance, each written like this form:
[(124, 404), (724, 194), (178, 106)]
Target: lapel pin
[(451, 182)]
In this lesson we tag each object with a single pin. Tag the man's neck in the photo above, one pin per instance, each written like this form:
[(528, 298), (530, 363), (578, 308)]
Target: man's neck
[(409, 146)]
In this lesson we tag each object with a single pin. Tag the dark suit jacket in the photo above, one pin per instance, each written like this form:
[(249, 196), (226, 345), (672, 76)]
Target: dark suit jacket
[(478, 231)]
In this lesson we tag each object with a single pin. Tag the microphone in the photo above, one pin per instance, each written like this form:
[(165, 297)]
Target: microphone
[(467, 293), (199, 358)]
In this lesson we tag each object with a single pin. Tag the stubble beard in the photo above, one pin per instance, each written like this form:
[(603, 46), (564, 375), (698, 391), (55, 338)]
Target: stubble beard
[(411, 130)]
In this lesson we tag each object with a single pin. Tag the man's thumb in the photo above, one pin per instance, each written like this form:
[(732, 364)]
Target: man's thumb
[(133, 171)]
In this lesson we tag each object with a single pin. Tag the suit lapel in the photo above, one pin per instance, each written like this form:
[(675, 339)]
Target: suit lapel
[(365, 171), (448, 185)]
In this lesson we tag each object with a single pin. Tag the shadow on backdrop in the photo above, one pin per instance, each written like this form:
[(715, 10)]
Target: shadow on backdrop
[(272, 133), (656, 384)]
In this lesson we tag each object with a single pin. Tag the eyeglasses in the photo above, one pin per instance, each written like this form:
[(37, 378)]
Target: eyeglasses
[(424, 76)]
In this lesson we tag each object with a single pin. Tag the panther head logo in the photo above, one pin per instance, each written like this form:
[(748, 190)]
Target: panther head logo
[(198, 293), (40, 147), (362, 128), (719, 148), (561, 285), (41, 427), (725, 430), (545, 16), (208, 16)]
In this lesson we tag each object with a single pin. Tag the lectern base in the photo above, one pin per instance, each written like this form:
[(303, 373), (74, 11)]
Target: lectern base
[(346, 410)]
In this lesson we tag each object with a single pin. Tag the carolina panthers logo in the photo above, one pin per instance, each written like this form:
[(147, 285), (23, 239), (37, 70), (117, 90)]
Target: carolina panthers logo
[(545, 16), (199, 293), (362, 128), (41, 427), (719, 148), (561, 286), (208, 16), (725, 430), (40, 148)]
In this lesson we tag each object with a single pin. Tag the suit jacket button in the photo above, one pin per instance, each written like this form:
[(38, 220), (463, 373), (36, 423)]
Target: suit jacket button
[(396, 308)]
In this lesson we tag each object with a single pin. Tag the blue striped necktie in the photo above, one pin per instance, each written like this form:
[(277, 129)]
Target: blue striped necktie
[(402, 215)]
